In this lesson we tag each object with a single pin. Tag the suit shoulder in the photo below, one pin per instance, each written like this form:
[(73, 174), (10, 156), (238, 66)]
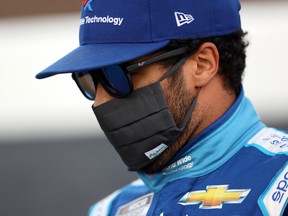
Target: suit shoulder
[(104, 206), (270, 141)]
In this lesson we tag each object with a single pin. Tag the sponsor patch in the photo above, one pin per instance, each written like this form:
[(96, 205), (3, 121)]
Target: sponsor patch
[(138, 207), (87, 5), (116, 21), (183, 163), (270, 141), (274, 200), (214, 197)]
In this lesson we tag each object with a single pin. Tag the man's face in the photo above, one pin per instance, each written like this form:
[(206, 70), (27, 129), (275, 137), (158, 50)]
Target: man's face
[(166, 109), (178, 96)]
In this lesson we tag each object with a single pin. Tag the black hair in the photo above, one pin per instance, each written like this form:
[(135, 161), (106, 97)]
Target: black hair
[(232, 51)]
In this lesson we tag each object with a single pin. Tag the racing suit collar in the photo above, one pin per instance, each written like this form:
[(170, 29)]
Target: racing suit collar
[(212, 147)]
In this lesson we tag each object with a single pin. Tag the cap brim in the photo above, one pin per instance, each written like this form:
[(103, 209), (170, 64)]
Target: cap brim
[(92, 56)]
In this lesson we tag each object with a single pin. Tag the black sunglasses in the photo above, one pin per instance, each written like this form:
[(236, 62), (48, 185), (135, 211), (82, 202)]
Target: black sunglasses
[(116, 79)]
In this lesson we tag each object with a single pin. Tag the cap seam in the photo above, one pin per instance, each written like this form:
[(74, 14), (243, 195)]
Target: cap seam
[(215, 9), (150, 20)]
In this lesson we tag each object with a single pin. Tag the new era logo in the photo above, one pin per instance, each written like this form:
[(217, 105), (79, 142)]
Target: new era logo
[(182, 18)]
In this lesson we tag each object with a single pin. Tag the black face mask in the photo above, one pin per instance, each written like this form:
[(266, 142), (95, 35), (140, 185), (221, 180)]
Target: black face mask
[(140, 126)]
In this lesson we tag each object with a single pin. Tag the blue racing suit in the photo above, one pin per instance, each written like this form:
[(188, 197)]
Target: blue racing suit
[(237, 166)]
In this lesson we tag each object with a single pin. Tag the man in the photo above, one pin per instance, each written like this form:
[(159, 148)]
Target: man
[(165, 77)]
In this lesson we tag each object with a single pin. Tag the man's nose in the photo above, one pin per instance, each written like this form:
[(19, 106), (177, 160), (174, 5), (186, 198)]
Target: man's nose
[(101, 96)]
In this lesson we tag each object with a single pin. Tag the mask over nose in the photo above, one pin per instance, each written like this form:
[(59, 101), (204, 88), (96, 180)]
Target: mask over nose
[(140, 126)]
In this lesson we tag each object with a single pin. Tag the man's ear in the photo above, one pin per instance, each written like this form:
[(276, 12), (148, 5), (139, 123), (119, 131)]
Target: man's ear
[(202, 65)]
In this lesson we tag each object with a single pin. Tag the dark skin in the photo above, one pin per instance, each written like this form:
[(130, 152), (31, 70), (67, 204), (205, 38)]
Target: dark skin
[(199, 74)]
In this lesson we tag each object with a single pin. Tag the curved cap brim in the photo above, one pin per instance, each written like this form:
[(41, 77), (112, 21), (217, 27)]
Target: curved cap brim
[(92, 56)]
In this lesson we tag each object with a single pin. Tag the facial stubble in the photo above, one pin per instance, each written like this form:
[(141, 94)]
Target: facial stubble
[(179, 100)]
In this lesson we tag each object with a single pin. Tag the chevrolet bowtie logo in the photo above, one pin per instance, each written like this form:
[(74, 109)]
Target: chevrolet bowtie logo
[(214, 197)]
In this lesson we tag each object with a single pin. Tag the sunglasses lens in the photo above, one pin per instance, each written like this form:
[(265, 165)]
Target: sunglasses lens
[(116, 81), (86, 84), (113, 79)]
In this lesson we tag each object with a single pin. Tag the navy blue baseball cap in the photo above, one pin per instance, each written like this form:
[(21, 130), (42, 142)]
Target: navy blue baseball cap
[(116, 31)]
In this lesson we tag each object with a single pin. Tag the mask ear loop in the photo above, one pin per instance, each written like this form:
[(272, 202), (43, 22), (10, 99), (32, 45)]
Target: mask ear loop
[(194, 101), (189, 112)]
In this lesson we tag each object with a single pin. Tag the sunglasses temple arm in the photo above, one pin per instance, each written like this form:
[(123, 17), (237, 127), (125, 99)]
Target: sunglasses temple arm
[(174, 68), (160, 57)]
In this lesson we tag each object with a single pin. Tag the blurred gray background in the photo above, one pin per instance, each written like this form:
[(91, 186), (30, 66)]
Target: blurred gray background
[(54, 159)]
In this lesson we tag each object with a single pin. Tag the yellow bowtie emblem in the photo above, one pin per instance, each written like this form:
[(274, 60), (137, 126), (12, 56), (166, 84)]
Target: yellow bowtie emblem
[(214, 197)]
